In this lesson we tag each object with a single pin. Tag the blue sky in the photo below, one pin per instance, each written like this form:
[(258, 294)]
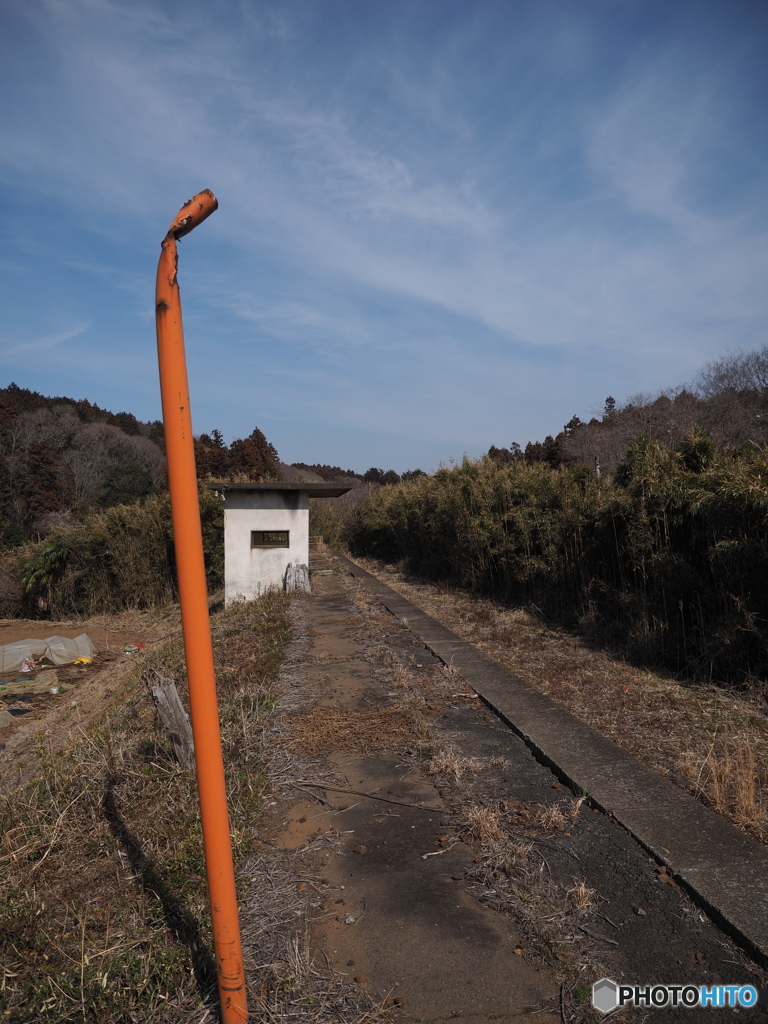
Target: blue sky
[(442, 225)]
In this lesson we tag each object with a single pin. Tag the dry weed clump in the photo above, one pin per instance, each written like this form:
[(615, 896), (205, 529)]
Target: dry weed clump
[(551, 818), (484, 825), (581, 896), (451, 766), (366, 605), (450, 674), (104, 915), (401, 676), (733, 782), (512, 877), (499, 761), (576, 803)]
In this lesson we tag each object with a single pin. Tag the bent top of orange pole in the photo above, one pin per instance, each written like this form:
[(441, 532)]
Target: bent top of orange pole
[(193, 598), (193, 212)]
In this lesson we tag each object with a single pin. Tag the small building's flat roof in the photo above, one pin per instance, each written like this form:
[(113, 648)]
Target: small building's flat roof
[(313, 490)]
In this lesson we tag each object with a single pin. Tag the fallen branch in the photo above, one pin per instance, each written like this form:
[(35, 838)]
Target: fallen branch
[(598, 936), (436, 853), (370, 796), (313, 796), (606, 918)]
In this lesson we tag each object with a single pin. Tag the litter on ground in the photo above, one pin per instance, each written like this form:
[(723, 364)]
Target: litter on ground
[(59, 650)]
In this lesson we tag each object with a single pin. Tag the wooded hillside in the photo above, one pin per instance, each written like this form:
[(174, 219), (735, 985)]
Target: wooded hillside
[(88, 488), (62, 458)]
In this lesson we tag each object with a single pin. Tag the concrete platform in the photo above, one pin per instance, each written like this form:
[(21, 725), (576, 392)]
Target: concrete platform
[(725, 870)]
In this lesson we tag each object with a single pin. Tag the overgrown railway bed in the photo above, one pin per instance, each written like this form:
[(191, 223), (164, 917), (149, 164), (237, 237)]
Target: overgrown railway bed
[(674, 937)]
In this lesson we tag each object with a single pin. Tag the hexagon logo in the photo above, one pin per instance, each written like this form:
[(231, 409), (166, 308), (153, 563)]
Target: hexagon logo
[(605, 995)]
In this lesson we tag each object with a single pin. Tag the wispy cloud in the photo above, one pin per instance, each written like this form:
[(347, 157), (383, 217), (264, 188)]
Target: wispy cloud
[(10, 351), (652, 141)]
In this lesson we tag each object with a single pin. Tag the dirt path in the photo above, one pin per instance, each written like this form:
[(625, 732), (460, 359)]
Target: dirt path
[(476, 888)]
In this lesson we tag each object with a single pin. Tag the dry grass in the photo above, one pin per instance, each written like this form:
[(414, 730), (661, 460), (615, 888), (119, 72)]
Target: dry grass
[(317, 730), (287, 980), (401, 677), (484, 825), (732, 782), (582, 897), (551, 818), (668, 726), (98, 921), (512, 877), (450, 765)]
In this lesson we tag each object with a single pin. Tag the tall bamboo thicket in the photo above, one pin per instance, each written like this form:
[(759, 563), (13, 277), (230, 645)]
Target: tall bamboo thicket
[(668, 562)]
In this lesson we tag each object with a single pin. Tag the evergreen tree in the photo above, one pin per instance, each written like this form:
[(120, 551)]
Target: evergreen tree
[(253, 456)]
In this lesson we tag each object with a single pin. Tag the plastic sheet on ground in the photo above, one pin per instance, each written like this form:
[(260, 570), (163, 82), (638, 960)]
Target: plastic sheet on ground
[(59, 650)]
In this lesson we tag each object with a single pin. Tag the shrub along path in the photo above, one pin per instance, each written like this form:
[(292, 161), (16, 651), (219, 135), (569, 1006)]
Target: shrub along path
[(462, 880)]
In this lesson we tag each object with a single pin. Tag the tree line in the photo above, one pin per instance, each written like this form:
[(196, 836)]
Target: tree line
[(728, 400), (61, 458)]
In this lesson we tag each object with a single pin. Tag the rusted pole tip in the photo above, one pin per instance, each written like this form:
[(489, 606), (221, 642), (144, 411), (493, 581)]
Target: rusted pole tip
[(192, 213)]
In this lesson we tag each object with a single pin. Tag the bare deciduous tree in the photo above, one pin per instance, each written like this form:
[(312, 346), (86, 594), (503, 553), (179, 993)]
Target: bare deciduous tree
[(736, 372), (82, 453)]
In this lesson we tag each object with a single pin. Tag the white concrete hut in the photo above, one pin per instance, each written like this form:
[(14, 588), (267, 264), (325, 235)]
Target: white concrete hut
[(266, 535)]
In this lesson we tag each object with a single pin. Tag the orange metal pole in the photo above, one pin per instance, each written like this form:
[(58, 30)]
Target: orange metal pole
[(193, 596)]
